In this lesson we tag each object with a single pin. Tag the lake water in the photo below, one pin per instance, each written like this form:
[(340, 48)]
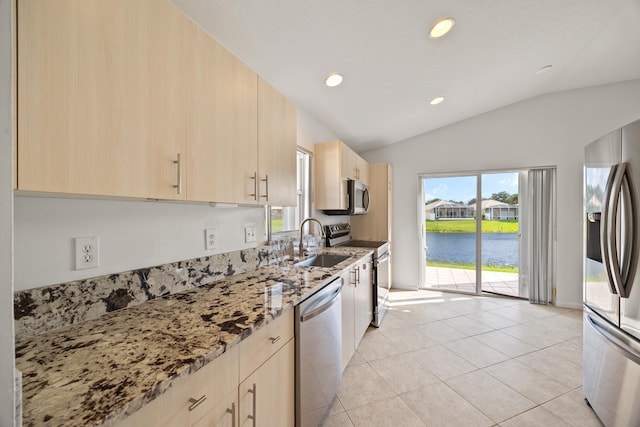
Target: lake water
[(500, 249)]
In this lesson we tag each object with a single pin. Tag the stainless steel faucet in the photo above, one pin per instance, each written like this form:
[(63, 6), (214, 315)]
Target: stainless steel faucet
[(301, 247)]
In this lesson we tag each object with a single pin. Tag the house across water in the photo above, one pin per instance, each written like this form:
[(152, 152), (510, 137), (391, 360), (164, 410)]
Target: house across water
[(491, 210)]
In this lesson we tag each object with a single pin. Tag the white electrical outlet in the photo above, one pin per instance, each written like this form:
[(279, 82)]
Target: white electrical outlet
[(249, 233), (210, 237), (87, 252)]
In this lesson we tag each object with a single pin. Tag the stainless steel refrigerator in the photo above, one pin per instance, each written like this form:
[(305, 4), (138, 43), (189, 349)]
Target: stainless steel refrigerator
[(611, 327)]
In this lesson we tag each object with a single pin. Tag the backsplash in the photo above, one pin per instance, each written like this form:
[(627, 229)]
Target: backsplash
[(51, 307)]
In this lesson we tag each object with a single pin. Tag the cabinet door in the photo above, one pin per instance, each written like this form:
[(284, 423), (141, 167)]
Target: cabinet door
[(348, 162), (362, 170), (363, 301), (204, 395), (268, 395), (348, 317), (224, 414), (376, 225), (222, 111), (329, 191), (100, 103), (276, 147)]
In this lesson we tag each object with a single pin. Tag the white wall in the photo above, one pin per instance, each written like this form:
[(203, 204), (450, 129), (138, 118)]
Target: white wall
[(6, 211), (544, 131)]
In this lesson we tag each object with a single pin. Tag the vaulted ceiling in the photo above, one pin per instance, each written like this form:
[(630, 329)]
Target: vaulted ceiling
[(392, 69)]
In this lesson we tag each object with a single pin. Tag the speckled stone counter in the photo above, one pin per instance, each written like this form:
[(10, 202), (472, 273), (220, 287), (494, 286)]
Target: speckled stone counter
[(96, 372)]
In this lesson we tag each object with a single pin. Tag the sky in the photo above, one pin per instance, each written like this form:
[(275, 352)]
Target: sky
[(463, 188)]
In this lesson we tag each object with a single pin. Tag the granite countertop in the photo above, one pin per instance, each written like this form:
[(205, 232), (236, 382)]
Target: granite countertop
[(96, 372)]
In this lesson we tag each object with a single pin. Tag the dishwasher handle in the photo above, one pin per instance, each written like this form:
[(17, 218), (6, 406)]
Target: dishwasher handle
[(323, 304)]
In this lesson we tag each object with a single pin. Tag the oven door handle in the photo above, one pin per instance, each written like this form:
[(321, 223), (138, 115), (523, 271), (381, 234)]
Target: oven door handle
[(384, 258)]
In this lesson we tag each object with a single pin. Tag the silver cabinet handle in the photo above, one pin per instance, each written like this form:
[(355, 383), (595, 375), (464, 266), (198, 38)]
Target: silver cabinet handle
[(353, 278), (266, 182), (357, 275), (196, 402), (275, 340), (232, 411), (255, 186), (253, 391), (178, 185)]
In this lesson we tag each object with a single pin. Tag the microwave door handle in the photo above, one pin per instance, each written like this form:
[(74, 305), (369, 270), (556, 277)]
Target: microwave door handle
[(365, 199), (606, 229)]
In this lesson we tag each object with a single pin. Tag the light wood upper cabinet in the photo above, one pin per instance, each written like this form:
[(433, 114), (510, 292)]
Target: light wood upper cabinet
[(334, 164), (222, 117), (377, 224), (100, 99), (276, 147)]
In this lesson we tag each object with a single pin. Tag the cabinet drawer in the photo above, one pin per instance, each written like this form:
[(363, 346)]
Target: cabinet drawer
[(264, 342), (212, 383)]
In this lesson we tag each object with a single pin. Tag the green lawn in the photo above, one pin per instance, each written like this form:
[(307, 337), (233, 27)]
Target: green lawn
[(469, 226), (472, 266)]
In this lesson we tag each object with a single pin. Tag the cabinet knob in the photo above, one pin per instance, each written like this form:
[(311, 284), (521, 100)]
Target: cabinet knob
[(274, 339)]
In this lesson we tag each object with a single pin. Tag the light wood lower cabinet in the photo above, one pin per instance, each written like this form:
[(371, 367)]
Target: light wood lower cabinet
[(253, 378), (267, 397), (203, 395), (357, 307)]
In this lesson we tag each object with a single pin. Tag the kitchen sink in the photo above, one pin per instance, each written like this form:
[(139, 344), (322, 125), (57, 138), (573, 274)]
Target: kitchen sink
[(322, 260)]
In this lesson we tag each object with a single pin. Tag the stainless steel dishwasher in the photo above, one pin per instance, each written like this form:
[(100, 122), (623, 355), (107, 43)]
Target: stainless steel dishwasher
[(318, 329)]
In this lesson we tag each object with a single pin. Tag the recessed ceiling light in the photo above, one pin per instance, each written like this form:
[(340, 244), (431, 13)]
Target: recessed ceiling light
[(333, 80), (441, 27), (543, 69), (437, 100)]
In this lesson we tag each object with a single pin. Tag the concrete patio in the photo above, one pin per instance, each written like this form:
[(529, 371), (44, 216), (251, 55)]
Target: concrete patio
[(457, 279)]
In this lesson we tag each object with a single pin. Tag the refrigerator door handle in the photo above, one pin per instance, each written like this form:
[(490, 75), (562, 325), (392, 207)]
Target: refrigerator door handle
[(630, 236), (614, 339), (608, 230)]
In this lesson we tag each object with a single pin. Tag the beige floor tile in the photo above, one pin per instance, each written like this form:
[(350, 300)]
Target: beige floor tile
[(335, 407), (391, 412), (443, 363), (563, 371), (536, 417), (404, 373), (496, 400), (362, 385), (527, 381), (467, 326), (573, 410), (505, 343), (569, 350), (491, 319), (440, 332), (375, 345), (338, 420), (476, 352), (411, 336), (357, 359), (439, 406), (538, 337), (520, 313)]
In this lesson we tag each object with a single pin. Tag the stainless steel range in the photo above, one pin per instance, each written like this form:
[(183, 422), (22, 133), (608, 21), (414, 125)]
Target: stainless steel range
[(340, 235)]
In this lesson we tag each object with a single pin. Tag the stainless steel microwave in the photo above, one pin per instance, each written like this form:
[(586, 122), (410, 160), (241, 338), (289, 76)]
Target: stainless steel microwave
[(356, 200)]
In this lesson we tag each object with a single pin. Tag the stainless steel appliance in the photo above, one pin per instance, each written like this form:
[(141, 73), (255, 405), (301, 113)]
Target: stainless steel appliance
[(340, 235), (357, 199), (611, 347), (318, 331)]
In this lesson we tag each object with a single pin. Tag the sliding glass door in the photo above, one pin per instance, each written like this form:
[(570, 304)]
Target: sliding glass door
[(468, 221)]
